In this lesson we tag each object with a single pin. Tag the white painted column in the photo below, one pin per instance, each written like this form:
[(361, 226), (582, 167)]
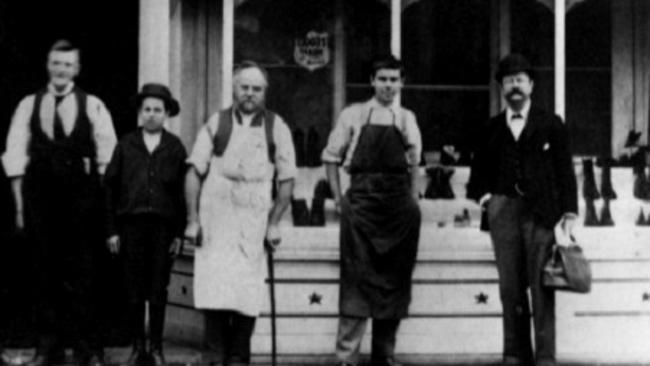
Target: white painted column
[(396, 28), (396, 32), (228, 52), (560, 65), (154, 42)]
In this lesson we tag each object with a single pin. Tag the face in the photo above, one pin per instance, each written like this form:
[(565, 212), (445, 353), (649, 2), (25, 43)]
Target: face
[(152, 114), (249, 90), (517, 89), (63, 67), (387, 84)]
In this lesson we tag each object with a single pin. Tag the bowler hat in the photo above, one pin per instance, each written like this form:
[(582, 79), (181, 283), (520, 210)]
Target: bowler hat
[(159, 91), (512, 64)]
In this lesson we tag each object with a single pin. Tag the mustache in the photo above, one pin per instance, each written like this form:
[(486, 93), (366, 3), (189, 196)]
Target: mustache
[(515, 92)]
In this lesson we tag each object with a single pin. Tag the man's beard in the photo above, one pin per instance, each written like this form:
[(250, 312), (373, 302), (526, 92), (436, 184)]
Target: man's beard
[(516, 102)]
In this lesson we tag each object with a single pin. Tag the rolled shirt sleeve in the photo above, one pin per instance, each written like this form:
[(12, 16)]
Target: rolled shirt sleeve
[(285, 153), (103, 131), (202, 150), (16, 157), (340, 138), (413, 138)]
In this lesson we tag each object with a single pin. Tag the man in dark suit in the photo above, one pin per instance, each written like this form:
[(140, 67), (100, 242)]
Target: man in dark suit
[(522, 175)]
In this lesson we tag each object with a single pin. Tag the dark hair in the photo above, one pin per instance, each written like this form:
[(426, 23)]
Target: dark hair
[(386, 62), (248, 64), (63, 45)]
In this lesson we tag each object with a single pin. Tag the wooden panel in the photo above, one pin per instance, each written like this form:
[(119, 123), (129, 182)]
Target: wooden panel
[(428, 300), (181, 290), (603, 338), (608, 298), (183, 324), (317, 336)]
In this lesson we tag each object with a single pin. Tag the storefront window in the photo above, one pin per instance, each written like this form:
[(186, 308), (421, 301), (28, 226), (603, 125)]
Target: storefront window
[(588, 66), (293, 40)]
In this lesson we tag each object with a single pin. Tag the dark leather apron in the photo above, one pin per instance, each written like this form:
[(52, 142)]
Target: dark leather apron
[(380, 227)]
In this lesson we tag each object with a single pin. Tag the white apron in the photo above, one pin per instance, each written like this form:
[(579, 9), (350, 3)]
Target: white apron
[(230, 266)]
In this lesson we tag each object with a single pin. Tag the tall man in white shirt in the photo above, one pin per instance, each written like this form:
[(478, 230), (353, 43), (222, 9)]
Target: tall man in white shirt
[(59, 143), (522, 174)]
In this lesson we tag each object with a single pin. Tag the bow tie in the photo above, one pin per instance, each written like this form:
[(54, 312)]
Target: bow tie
[(517, 116)]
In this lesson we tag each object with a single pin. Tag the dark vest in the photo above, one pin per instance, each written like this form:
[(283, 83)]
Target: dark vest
[(224, 130), (510, 178), (68, 156)]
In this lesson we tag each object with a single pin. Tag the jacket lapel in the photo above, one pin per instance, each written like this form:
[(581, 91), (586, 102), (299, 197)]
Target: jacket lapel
[(531, 126)]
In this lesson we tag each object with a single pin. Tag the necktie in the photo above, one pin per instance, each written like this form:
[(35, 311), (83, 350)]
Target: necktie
[(59, 133), (517, 125)]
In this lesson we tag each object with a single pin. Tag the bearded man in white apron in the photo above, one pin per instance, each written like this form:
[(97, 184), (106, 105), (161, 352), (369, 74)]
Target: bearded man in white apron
[(378, 142), (231, 211)]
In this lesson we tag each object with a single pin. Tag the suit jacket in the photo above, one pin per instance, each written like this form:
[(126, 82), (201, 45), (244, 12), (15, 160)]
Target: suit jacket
[(546, 160)]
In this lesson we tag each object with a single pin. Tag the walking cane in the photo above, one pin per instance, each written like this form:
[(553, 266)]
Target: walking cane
[(269, 257)]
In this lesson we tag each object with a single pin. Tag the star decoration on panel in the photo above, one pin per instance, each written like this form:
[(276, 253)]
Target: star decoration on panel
[(315, 298), (481, 298)]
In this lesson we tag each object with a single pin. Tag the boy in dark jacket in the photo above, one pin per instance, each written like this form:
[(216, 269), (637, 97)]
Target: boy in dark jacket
[(146, 214)]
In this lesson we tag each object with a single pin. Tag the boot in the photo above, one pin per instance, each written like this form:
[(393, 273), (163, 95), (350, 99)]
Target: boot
[(446, 191), (156, 355), (640, 220), (590, 213), (606, 188), (589, 189), (299, 212), (313, 148), (462, 220), (299, 144), (317, 217), (138, 354), (156, 326), (605, 215), (640, 182), (323, 190)]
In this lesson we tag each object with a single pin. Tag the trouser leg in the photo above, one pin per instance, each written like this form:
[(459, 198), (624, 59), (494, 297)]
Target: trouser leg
[(160, 261), (348, 338), (504, 221), (239, 347), (217, 325), (384, 333), (539, 241)]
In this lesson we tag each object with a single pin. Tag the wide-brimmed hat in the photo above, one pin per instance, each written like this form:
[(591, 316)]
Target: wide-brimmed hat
[(159, 91), (512, 64)]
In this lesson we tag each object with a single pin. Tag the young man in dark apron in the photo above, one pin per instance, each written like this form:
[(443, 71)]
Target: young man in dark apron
[(378, 143)]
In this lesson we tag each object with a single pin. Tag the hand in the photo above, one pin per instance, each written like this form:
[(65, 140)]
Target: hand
[(176, 248), (20, 221), (113, 244), (564, 230), (415, 194), (337, 206), (273, 236), (569, 224), (192, 234)]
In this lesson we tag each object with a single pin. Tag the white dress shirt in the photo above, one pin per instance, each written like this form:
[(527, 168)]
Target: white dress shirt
[(16, 155), (517, 120)]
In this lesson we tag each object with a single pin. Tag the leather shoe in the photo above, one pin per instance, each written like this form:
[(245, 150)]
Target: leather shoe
[(39, 360), (95, 360), (157, 357)]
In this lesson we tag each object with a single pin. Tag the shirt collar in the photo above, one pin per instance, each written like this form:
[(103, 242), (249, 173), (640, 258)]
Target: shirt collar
[(373, 103), (524, 112), (66, 91)]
